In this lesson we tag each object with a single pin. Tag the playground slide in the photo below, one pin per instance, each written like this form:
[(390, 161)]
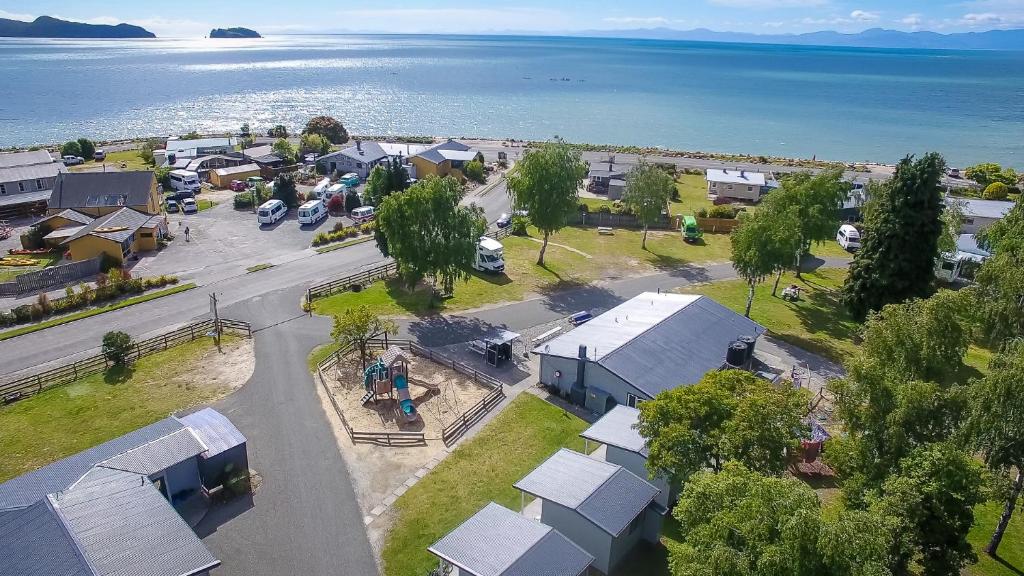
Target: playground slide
[(404, 398)]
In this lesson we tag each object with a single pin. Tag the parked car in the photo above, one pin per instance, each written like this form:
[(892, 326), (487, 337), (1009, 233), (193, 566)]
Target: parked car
[(238, 186), (172, 205), (504, 221), (351, 180), (363, 214), (72, 160), (954, 173), (99, 155), (189, 206), (179, 195), (252, 181)]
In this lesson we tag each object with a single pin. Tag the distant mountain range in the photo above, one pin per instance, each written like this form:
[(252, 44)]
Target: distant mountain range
[(47, 27), (873, 38), (234, 33)]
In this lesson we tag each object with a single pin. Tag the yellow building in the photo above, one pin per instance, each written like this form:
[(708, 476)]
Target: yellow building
[(120, 234), (100, 193), (222, 177), (447, 158)]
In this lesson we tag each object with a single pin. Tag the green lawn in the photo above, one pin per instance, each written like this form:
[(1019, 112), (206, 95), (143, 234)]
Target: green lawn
[(319, 354), (9, 273), (480, 471), (693, 195), (94, 311), (204, 204), (130, 158), (259, 267), (1011, 550), (68, 419)]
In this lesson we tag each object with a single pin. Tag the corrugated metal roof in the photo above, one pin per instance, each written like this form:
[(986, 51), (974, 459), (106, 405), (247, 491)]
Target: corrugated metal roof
[(69, 214), (617, 428), (174, 144), (433, 154), (606, 494), (95, 189), (35, 542), (465, 155), (25, 198), (127, 219), (64, 232), (228, 171), (32, 172), (160, 454), (995, 209), (214, 430), (498, 542), (9, 159), (736, 177)]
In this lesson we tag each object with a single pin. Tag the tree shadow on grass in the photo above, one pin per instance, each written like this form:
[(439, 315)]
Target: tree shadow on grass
[(118, 374), (1007, 565), (422, 300), (820, 312), (501, 279)]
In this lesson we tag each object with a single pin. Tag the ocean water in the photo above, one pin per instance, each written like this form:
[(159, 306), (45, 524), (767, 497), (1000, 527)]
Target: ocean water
[(833, 103)]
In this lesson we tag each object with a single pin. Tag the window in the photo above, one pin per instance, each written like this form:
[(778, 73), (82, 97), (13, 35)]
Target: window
[(633, 401), (39, 184), (969, 221), (146, 234), (730, 186), (714, 184), (3, 189), (750, 188), (359, 164), (21, 186)]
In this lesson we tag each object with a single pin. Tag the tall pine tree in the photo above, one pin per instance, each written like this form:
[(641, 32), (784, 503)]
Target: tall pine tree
[(897, 259)]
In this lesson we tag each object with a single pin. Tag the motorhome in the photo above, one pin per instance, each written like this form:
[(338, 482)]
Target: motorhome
[(490, 256), (312, 212), (363, 214), (321, 187), (332, 191), (271, 211), (184, 181), (848, 237)]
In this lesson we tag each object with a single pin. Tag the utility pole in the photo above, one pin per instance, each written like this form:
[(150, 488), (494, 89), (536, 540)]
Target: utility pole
[(216, 317)]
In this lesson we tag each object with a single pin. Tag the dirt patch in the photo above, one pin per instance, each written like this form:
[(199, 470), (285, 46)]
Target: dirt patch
[(226, 369)]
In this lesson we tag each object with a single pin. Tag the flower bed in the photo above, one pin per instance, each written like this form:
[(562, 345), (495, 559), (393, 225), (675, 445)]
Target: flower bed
[(342, 232)]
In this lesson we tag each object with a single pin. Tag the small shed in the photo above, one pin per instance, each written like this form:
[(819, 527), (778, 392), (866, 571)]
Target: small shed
[(226, 447), (222, 177)]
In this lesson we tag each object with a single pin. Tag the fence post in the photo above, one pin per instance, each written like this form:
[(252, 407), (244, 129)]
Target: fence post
[(39, 384), (165, 341), (191, 332)]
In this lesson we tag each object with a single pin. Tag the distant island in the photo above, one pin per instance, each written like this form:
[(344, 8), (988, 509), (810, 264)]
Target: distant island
[(47, 27), (234, 33)]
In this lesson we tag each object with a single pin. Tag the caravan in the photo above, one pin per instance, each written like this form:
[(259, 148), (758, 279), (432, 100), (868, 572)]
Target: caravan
[(490, 256), (321, 187), (184, 181), (848, 237)]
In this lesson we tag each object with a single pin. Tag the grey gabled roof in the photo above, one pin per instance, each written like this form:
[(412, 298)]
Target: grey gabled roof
[(606, 494), (31, 172), (35, 542), (371, 152), (159, 454), (126, 218), (618, 428), (498, 542), (69, 214), (433, 154), (994, 209), (101, 189), (214, 430), (28, 158)]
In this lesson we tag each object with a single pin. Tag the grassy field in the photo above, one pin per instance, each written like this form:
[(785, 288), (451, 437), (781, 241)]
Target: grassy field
[(68, 419), (130, 158), (480, 471), (1011, 550), (204, 204), (8, 273), (94, 311), (693, 195)]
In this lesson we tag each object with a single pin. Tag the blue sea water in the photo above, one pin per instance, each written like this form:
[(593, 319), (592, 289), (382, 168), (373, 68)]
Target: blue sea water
[(834, 103)]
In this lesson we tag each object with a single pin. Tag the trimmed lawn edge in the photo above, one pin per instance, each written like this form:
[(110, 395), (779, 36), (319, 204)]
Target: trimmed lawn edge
[(339, 245), (258, 267), (95, 311)]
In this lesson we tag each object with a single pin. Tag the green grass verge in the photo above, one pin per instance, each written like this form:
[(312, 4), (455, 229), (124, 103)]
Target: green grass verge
[(130, 158), (319, 354), (480, 471), (259, 267), (1011, 550), (340, 245), (9, 273), (68, 419), (204, 204), (94, 311)]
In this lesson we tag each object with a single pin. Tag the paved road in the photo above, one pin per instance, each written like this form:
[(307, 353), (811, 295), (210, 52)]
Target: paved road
[(304, 518)]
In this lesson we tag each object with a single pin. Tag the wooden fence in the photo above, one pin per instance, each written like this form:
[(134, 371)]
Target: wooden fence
[(450, 433), (325, 289), (49, 277), (717, 225), (25, 386), (619, 220)]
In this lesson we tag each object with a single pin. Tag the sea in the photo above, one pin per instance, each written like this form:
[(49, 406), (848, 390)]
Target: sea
[(848, 104)]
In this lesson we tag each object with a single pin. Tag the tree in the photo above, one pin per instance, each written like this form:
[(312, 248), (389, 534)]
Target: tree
[(429, 234), (730, 415), (71, 148), (474, 170), (952, 222), (377, 185), (335, 205), (146, 151), (996, 191), (1000, 280), (764, 244), (284, 150), (245, 131), (817, 200), (896, 261), (352, 200), (546, 184), (738, 522), (87, 147), (117, 346), (278, 131), (285, 190), (328, 128), (315, 144), (995, 426), (162, 174), (355, 327), (398, 176), (990, 172), (648, 190)]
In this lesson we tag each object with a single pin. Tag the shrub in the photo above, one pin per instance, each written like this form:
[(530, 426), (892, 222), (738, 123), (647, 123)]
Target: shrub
[(723, 211), (519, 225), (22, 313), (43, 301), (583, 207), (367, 228), (474, 170), (335, 205), (35, 312), (702, 213), (243, 200), (996, 191), (107, 262), (71, 148), (278, 131), (87, 148), (116, 347), (352, 200), (338, 227), (6, 318), (604, 209)]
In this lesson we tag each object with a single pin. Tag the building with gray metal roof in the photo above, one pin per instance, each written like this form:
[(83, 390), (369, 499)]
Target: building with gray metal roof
[(648, 344), (26, 181), (604, 508), (99, 193), (979, 213), (499, 542)]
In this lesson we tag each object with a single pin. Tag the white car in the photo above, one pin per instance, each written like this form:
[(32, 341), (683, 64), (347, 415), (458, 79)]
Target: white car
[(189, 206), (72, 160)]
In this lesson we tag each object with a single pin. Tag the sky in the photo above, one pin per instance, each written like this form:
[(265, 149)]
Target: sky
[(195, 18)]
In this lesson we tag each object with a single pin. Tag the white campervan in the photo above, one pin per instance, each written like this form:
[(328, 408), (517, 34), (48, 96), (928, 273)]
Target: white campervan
[(336, 190), (321, 187), (848, 237), (184, 181), (363, 214), (312, 212), (271, 211), (490, 256)]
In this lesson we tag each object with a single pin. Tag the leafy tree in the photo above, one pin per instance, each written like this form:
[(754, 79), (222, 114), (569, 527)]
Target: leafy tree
[(71, 148), (163, 176), (315, 144), (352, 200), (146, 151), (355, 327), (261, 193), (764, 244), (738, 522), (335, 205), (1000, 280), (284, 150), (278, 131), (87, 147), (990, 172), (728, 415), (996, 191), (648, 190), (952, 222), (817, 200), (191, 135), (429, 234), (474, 170), (996, 426), (377, 185), (398, 176), (546, 184), (245, 130), (896, 261), (285, 190), (328, 128), (117, 347)]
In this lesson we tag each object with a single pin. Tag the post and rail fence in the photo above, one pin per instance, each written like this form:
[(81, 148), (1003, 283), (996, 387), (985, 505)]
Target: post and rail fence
[(32, 384)]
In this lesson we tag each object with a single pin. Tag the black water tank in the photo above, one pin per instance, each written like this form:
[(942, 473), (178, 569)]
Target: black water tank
[(736, 354), (749, 341)]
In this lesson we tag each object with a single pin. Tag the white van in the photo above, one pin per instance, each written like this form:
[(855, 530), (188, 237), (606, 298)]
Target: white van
[(321, 187), (336, 190), (185, 181), (312, 212), (848, 237), (490, 256), (271, 211), (363, 214)]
